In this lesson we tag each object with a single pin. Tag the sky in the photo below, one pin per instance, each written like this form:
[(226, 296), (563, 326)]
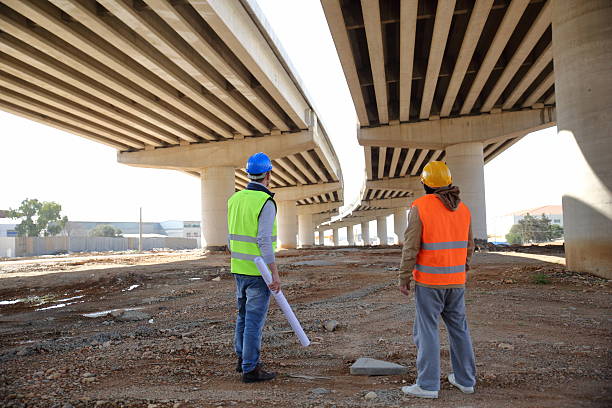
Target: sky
[(37, 161)]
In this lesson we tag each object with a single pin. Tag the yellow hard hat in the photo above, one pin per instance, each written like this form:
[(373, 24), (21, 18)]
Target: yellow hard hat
[(436, 174)]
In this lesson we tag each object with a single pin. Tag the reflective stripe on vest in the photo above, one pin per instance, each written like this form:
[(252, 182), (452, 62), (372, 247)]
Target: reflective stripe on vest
[(243, 209), (444, 240)]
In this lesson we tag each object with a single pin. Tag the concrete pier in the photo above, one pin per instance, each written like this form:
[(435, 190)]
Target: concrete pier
[(582, 46), (305, 230), (365, 232), (381, 229), (217, 188), (287, 224), (466, 163), (350, 234), (400, 221)]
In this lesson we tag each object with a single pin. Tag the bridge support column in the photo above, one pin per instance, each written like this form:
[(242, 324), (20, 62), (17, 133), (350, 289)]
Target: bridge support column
[(336, 237), (217, 188), (466, 163), (381, 229), (350, 235), (287, 224), (582, 46), (320, 236), (400, 221), (365, 232), (306, 230)]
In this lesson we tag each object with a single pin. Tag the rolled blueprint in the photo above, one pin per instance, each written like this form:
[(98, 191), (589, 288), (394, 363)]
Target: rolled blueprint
[(282, 303)]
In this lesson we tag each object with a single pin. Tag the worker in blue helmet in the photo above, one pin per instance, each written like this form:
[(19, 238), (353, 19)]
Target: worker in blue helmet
[(251, 221)]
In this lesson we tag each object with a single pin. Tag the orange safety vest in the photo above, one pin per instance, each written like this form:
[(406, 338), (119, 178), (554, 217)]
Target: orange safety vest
[(444, 240)]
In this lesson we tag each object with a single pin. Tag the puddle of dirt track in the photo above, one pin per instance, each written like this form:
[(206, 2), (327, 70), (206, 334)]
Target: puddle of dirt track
[(556, 337)]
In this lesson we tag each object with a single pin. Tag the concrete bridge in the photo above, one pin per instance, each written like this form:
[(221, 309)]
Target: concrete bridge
[(195, 86), (464, 80)]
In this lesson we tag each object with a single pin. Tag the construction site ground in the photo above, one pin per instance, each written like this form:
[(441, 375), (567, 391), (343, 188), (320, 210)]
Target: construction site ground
[(542, 335)]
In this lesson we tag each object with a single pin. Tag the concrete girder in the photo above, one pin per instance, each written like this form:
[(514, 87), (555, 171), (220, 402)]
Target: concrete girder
[(231, 21), (161, 63), (44, 54), (46, 120), (190, 31), (477, 21), (538, 66), (371, 214), (229, 153), (444, 16), (309, 190), (50, 19), (409, 184), (317, 208), (42, 95), (506, 28), (540, 90), (333, 14), (408, 19), (69, 118), (439, 134), (534, 34), (131, 125), (373, 28), (388, 203)]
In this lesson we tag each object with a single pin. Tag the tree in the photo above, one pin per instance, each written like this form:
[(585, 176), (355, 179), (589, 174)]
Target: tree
[(38, 217), (105, 230), (533, 229)]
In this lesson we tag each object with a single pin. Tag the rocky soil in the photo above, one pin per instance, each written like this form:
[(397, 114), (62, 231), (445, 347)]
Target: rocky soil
[(156, 330)]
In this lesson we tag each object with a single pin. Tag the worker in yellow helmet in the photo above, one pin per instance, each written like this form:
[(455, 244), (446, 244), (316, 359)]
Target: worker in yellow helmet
[(438, 245)]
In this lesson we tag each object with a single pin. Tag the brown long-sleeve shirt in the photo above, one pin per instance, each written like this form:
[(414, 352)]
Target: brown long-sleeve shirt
[(412, 246)]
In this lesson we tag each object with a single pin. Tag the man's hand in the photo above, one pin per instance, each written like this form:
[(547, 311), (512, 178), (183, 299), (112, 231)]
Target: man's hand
[(275, 285), (404, 287)]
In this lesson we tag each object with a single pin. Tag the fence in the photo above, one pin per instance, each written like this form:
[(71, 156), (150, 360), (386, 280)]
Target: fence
[(35, 246)]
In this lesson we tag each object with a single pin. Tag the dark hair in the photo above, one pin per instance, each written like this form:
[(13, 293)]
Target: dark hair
[(431, 190)]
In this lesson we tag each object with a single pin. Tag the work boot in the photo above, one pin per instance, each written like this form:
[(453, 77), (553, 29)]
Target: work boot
[(239, 365), (257, 375), (463, 388)]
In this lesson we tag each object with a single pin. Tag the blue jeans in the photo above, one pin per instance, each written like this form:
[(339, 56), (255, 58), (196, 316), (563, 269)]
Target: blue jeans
[(253, 296), (430, 305)]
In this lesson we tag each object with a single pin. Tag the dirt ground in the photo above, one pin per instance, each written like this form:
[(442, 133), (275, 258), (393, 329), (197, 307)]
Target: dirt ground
[(542, 335)]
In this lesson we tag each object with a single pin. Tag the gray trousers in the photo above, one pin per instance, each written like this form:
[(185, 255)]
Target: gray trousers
[(450, 304)]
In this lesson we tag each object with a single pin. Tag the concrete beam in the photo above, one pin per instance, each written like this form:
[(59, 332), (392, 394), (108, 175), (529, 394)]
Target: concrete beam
[(371, 214), (317, 208), (540, 90), (529, 41), (479, 15), (408, 22), (373, 29), (333, 14), (232, 23), (396, 184), (534, 71), (389, 202), (105, 85), (439, 134), (190, 30), (301, 192), (229, 153), (444, 16), (506, 28)]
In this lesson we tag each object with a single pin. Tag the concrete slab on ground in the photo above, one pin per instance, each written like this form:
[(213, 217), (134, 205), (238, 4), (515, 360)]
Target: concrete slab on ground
[(370, 366)]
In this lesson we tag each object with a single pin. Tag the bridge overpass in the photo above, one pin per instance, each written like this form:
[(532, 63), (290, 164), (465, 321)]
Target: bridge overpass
[(461, 81), (194, 86)]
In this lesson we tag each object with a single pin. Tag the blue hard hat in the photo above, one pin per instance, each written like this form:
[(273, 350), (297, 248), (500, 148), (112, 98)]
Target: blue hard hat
[(258, 163)]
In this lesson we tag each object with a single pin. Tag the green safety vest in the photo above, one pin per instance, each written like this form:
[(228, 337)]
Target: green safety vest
[(243, 209)]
